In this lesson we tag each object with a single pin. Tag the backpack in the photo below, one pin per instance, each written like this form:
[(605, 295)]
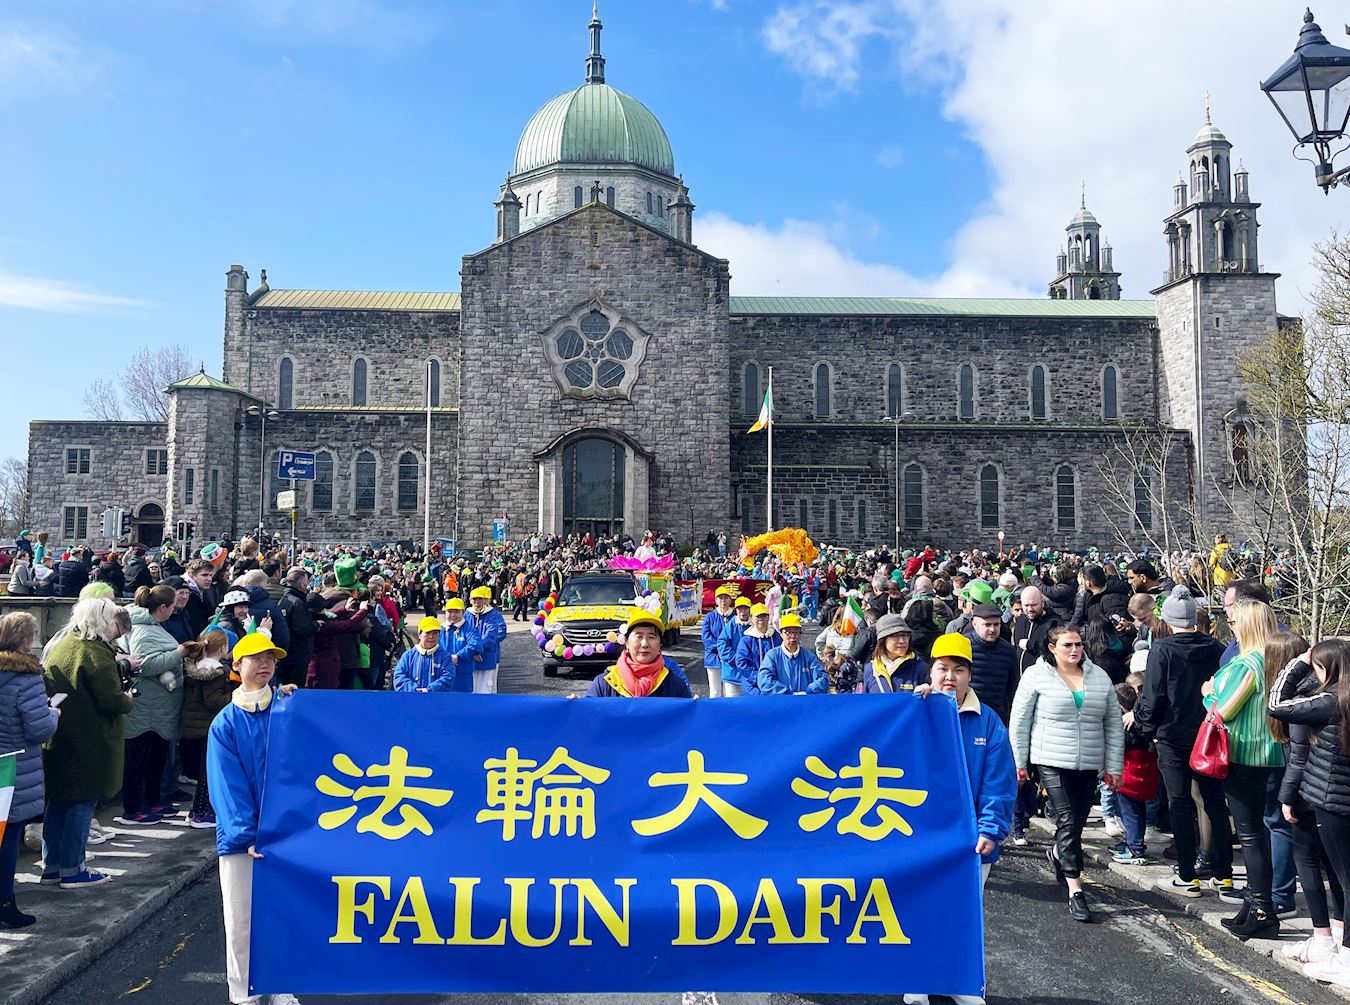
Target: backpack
[(923, 624)]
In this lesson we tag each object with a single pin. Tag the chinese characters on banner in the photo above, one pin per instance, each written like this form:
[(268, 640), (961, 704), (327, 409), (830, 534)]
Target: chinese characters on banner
[(424, 844)]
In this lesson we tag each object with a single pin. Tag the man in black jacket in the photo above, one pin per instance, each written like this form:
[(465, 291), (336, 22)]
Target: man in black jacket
[(1170, 711), (73, 574), (993, 675), (1031, 629), (1106, 597), (294, 605)]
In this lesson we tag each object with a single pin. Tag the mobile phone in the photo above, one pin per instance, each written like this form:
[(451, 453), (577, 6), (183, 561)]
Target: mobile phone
[(56, 699)]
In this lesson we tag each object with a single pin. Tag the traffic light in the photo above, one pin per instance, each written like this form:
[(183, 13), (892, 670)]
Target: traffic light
[(180, 530), (110, 524), (123, 523), (191, 531)]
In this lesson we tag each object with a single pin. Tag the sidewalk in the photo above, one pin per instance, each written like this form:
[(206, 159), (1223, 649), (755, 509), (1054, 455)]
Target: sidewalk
[(1208, 908), (149, 866)]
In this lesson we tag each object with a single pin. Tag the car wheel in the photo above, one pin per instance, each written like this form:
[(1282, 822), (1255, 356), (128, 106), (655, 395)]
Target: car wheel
[(550, 668)]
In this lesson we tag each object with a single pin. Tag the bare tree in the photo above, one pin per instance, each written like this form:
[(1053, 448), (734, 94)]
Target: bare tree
[(1147, 499), (102, 400), (13, 496), (140, 389)]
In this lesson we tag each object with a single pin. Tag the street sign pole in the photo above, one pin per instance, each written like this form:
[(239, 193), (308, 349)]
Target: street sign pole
[(295, 512)]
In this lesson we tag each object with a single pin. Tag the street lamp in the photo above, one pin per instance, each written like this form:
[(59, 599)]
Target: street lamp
[(262, 413), (1311, 91), (895, 420)]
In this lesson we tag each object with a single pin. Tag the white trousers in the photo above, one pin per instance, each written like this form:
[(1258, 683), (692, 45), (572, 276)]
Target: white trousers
[(485, 681), (714, 681), (731, 689), (236, 891)]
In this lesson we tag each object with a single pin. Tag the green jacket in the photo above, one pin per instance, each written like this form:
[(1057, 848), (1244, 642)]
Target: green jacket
[(156, 708), (1240, 697), (83, 761)]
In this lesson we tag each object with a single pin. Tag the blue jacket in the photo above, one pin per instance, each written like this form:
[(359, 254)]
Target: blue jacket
[(463, 643), (672, 685), (236, 760), (260, 605), (780, 673), (992, 770), (434, 671), (491, 630), (26, 723), (730, 641), (713, 624), (906, 677), (750, 653)]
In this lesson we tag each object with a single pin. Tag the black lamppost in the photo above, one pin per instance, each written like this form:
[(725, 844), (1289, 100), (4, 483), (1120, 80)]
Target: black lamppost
[(263, 415), (1311, 91)]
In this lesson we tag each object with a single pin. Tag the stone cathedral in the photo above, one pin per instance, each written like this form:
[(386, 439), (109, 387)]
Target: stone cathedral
[(594, 372)]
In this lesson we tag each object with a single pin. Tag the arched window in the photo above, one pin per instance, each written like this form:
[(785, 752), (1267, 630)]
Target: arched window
[(965, 403), (750, 394), (1143, 501), (407, 480), (911, 480), (823, 390), (359, 381), (189, 487), (1066, 498), (365, 481), (285, 383), (649, 204), (895, 391), (609, 196), (862, 519), (321, 492), (990, 491), (434, 383), (577, 196), (660, 208), (1037, 391), (1110, 409), (538, 201)]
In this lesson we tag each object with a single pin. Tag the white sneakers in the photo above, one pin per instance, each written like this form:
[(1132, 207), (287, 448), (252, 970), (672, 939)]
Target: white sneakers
[(283, 999), (1334, 969), (1313, 949), (916, 1000), (1114, 828), (959, 999), (32, 837), (97, 835)]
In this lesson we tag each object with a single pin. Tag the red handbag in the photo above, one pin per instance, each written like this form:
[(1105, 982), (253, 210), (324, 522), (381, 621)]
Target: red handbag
[(1209, 756)]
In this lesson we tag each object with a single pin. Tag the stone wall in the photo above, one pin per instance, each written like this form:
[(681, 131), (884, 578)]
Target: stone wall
[(931, 351), (116, 477), (552, 193), (677, 410)]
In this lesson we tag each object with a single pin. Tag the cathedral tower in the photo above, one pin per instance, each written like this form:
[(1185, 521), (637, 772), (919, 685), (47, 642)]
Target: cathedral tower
[(1083, 269)]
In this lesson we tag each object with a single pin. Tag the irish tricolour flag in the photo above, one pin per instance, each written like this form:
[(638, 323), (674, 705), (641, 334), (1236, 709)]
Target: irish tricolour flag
[(853, 617), (9, 769), (765, 411)]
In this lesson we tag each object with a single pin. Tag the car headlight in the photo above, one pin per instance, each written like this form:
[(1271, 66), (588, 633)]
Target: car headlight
[(552, 627)]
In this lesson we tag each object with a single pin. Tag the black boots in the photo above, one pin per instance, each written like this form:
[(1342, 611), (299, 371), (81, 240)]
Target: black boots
[(1238, 919), (12, 917), (1259, 924)]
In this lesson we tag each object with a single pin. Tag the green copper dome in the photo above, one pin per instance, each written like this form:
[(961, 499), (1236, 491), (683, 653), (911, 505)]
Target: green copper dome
[(595, 124)]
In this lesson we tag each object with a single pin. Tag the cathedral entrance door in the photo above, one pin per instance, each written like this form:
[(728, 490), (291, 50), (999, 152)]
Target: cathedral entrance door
[(150, 526), (593, 487)]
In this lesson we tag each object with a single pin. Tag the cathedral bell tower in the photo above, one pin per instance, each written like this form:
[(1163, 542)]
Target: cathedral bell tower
[(1083, 269)]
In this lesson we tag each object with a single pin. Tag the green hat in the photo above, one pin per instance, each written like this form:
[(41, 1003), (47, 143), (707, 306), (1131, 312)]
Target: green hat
[(978, 591)]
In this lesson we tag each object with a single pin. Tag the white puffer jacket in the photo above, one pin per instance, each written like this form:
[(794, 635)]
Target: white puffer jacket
[(1049, 728)]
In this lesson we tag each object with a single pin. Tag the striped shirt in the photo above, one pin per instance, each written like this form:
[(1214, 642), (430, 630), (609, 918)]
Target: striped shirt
[(1240, 698)]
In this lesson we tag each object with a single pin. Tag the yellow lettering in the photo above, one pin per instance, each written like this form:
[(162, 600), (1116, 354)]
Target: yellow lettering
[(414, 896), (775, 916), (348, 908), (463, 933), (814, 908), (726, 903), (880, 898), (614, 920), (520, 911)]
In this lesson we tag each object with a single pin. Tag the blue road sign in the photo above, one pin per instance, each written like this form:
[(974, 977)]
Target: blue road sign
[(499, 531), (295, 464)]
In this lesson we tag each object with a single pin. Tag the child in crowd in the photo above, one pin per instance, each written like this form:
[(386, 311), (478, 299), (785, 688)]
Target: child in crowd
[(843, 671), (207, 684), (1139, 783)]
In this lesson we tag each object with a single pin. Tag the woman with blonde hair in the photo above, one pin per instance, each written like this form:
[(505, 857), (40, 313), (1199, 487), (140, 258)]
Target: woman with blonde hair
[(1237, 696)]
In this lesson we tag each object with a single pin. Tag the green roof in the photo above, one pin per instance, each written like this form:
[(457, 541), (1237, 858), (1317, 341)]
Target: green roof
[(956, 307), (357, 300), (204, 381), (594, 124)]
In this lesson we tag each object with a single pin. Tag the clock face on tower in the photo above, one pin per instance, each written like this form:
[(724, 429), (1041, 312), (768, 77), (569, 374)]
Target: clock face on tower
[(594, 352)]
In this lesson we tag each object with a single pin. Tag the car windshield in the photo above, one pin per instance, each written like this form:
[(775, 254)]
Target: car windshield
[(597, 591)]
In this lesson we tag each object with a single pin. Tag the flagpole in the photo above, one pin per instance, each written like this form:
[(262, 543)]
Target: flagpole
[(768, 512)]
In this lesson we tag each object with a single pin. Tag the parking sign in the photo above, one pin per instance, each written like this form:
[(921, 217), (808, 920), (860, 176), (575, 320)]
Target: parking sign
[(295, 464)]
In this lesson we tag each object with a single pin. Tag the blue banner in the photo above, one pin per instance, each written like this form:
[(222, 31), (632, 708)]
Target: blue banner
[(421, 843)]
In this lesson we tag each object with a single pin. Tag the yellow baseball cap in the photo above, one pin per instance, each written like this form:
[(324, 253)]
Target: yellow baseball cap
[(790, 621), (255, 644), (723, 591), (645, 618), (483, 592), (428, 625), (742, 601), (952, 644), (758, 609), (454, 604)]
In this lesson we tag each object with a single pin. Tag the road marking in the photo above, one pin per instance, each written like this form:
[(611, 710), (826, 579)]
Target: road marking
[(164, 964)]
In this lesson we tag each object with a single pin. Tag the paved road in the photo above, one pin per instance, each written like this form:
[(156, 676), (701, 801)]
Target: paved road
[(1143, 950)]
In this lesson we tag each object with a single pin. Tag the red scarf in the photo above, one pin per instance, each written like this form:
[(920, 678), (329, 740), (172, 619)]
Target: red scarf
[(638, 678)]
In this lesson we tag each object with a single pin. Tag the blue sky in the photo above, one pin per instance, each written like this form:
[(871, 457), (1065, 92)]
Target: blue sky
[(863, 146)]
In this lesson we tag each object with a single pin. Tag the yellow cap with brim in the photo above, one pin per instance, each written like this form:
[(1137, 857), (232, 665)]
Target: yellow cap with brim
[(790, 621), (723, 591), (454, 604), (644, 618), (952, 644), (481, 593), (428, 625), (758, 609), (742, 601), (254, 644)]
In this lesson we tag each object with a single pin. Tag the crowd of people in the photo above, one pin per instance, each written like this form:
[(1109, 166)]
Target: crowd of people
[(1080, 679)]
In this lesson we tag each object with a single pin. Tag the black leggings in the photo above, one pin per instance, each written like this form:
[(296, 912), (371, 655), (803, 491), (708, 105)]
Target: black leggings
[(1174, 763), (193, 750), (1334, 830), (1245, 788), (1072, 794), (142, 772), (1313, 865)]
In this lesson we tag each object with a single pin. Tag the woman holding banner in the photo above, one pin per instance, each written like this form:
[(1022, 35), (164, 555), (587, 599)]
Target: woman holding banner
[(641, 670)]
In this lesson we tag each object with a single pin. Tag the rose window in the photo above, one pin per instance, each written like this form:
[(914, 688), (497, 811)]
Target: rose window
[(595, 352)]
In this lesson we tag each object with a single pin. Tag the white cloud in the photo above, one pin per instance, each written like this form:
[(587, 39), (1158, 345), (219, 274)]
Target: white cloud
[(35, 61), (1056, 93), (55, 295)]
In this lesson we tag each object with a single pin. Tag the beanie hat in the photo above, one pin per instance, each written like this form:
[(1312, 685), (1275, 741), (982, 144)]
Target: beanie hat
[(1178, 610)]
